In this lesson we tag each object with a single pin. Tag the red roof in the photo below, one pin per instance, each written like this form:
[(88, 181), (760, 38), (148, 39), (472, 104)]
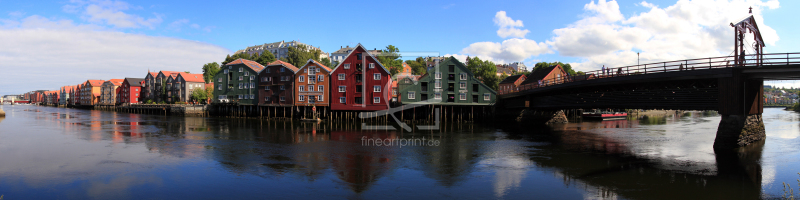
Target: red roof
[(252, 64), (95, 83), (192, 77), (116, 82), (285, 64)]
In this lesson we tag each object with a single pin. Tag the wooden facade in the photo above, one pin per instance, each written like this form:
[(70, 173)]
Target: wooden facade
[(236, 82), (184, 84), (546, 76), (312, 86), (276, 85), (449, 83), (360, 82), (131, 91), (511, 83), (90, 92)]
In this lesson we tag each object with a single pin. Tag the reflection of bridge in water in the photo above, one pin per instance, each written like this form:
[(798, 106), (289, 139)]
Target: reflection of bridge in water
[(731, 85)]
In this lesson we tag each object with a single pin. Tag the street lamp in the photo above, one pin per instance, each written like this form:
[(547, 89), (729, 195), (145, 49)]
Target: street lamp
[(637, 58)]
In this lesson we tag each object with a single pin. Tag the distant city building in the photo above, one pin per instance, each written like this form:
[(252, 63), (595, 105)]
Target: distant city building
[(767, 87), (339, 55), (279, 49)]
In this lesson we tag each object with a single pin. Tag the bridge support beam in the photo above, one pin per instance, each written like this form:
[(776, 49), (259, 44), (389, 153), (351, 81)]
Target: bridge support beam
[(741, 106)]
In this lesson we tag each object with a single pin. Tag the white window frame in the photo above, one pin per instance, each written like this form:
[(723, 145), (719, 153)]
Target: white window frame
[(219, 80), (437, 95), (252, 85), (266, 88), (462, 85), (376, 100), (463, 76), (342, 100), (252, 77), (320, 88), (240, 78), (320, 78), (372, 65), (312, 79), (301, 98), (438, 75), (240, 85), (376, 88), (311, 70), (301, 79), (246, 73), (342, 88), (283, 98), (347, 66), (311, 88), (412, 95), (487, 97), (283, 87), (266, 98), (462, 96), (301, 88), (437, 84), (341, 76), (376, 76), (241, 69)]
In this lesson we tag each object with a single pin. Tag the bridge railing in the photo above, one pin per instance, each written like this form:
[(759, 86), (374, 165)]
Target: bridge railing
[(664, 67)]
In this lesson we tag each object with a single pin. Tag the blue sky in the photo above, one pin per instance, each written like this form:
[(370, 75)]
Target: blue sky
[(116, 39)]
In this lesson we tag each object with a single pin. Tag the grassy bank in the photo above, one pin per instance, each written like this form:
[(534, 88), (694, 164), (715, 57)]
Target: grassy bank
[(795, 107)]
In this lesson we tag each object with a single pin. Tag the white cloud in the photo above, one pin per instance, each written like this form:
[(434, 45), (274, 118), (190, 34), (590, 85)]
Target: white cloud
[(687, 29), (16, 14), (508, 26), (111, 13), (515, 49), (58, 53), (177, 24)]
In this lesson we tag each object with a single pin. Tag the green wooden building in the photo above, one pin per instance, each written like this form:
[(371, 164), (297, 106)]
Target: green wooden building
[(237, 82), (449, 83)]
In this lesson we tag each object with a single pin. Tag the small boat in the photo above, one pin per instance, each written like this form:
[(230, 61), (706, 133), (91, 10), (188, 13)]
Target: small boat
[(604, 115)]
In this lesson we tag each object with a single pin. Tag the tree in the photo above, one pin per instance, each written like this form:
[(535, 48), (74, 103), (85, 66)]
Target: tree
[(265, 58), (567, 67), (199, 95), (229, 59), (418, 66), (210, 94), (325, 61), (486, 71), (187, 72), (209, 71), (390, 58), (298, 56)]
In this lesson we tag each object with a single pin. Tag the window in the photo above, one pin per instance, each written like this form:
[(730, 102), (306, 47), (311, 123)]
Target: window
[(253, 77), (376, 76), (412, 95), (240, 78), (320, 78), (372, 65), (252, 85), (463, 76), (283, 98), (438, 75), (266, 98), (341, 99), (462, 96), (240, 69), (341, 88), (225, 72), (246, 73), (311, 70), (266, 88), (462, 85), (283, 88), (240, 85), (347, 66), (240, 96), (437, 96), (301, 98), (301, 79), (312, 79), (486, 97), (283, 69), (475, 87), (219, 79), (317, 70), (376, 100), (263, 79), (319, 98), (407, 81), (358, 56), (376, 88), (320, 88), (394, 92), (358, 100), (310, 88), (252, 96), (302, 88), (438, 84), (341, 76), (267, 71)]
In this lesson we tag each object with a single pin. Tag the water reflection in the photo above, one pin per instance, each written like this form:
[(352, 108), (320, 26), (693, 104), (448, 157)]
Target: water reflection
[(119, 155)]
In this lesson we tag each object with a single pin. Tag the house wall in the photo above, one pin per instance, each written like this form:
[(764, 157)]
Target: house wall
[(366, 82), (307, 83), (474, 91), (227, 84), (270, 78)]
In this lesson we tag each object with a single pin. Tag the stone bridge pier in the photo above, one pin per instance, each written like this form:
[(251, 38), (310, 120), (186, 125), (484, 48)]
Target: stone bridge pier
[(741, 106)]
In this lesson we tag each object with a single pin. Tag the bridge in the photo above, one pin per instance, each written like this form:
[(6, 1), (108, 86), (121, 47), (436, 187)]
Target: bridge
[(731, 85)]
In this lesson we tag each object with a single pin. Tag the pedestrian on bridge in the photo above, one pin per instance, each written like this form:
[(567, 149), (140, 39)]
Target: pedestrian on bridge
[(603, 70)]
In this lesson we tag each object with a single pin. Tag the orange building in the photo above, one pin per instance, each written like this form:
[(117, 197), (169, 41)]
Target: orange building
[(312, 85)]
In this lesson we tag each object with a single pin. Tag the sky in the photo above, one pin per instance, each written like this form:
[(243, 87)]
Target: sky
[(49, 44)]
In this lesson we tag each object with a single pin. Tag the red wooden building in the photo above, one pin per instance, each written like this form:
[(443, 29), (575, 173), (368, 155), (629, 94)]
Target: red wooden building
[(360, 82), (276, 87), (131, 91)]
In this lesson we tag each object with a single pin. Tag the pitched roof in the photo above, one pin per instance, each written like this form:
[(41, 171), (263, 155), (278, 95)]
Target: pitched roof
[(539, 74), (317, 63), (95, 83), (504, 70), (511, 79), (252, 64), (116, 82), (134, 81), (192, 77), (285, 64), (368, 54)]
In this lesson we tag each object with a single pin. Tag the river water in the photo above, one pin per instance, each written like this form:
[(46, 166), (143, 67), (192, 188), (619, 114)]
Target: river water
[(59, 153)]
